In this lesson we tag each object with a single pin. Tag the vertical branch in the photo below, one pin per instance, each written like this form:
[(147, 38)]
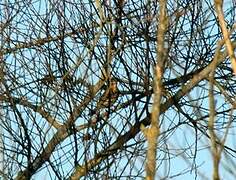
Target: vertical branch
[(153, 132), (228, 43), (100, 11), (2, 171), (1, 114), (216, 152), (214, 149)]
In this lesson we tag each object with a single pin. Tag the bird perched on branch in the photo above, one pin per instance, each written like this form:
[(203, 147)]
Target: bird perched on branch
[(106, 101), (110, 95)]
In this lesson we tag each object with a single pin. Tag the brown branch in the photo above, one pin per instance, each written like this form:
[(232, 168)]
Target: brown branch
[(135, 129), (39, 42), (228, 43), (62, 133), (39, 109), (152, 133), (81, 171), (213, 137), (226, 95)]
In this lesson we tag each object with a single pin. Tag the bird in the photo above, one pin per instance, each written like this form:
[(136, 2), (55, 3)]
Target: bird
[(105, 102), (110, 96), (86, 137)]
